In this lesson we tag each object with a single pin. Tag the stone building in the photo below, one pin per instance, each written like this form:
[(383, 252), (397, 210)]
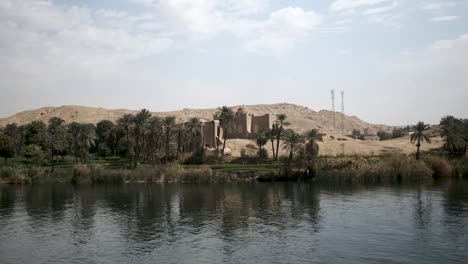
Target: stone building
[(244, 125)]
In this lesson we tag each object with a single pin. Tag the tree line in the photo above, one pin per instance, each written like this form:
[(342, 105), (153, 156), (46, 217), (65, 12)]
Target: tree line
[(143, 138), (140, 138)]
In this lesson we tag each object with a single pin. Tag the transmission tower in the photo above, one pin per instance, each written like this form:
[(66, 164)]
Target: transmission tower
[(332, 93), (342, 113)]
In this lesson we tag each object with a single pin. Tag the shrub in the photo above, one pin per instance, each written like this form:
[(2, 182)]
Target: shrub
[(262, 154), (80, 174), (384, 135), (440, 167), (12, 176), (196, 158), (243, 153)]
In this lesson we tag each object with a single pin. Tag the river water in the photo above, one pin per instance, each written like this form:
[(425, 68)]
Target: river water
[(234, 223)]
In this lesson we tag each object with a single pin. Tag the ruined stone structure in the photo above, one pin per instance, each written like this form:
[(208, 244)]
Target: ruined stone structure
[(211, 132), (244, 125)]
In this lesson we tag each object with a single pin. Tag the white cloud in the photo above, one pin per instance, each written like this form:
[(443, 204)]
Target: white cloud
[(434, 6), (340, 5), (281, 31), (382, 9), (444, 18), (449, 54), (63, 32), (344, 52)]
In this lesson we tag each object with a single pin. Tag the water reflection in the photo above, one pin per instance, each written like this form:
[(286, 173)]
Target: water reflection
[(290, 222)]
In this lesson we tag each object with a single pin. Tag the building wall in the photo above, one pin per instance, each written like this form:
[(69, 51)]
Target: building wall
[(261, 122), (210, 131), (244, 125), (240, 126)]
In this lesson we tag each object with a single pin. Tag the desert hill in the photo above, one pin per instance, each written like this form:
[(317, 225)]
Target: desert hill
[(300, 117)]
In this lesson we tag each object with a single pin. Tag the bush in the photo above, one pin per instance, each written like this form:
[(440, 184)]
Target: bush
[(384, 135), (440, 167), (262, 154), (81, 173), (243, 153), (399, 132), (13, 176), (197, 158)]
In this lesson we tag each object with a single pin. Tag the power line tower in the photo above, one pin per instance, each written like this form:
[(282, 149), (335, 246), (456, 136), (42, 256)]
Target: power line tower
[(342, 113), (332, 93)]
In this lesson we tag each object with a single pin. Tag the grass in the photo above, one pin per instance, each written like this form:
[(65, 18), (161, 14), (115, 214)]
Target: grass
[(340, 169)]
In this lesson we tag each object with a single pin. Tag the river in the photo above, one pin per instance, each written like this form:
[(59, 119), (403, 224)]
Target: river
[(234, 223)]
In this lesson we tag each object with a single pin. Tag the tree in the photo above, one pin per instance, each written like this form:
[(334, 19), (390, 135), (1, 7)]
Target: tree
[(226, 117), (139, 125), (454, 132), (73, 131), (6, 147), (86, 139), (261, 139), (125, 123), (311, 150), (36, 133), (271, 135), (34, 153), (181, 133), (154, 135), (106, 137), (17, 134), (168, 124), (292, 142), (280, 121), (194, 129), (56, 139), (314, 136), (384, 135), (419, 136)]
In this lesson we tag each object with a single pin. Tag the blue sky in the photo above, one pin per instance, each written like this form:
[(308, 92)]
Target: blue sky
[(398, 61)]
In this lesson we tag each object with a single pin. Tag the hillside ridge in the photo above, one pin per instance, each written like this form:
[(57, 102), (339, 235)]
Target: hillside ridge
[(300, 117)]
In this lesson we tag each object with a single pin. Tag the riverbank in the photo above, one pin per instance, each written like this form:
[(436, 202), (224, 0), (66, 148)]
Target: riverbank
[(344, 169)]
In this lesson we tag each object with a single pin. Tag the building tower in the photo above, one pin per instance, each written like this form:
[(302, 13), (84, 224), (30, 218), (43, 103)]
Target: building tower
[(342, 113), (332, 93)]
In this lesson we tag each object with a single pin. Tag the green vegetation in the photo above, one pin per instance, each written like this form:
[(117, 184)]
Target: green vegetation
[(142, 148), (419, 136), (455, 133), (226, 117)]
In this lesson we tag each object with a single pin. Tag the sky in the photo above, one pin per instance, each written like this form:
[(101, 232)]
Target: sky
[(397, 61)]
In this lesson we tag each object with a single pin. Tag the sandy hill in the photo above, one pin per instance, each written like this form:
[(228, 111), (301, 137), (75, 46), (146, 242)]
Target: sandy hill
[(300, 117)]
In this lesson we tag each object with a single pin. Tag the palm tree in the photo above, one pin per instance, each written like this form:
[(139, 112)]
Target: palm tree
[(140, 121), (56, 138), (311, 150), (86, 138), (181, 135), (419, 136), (271, 135), (168, 125), (125, 123), (314, 136), (261, 139), (74, 130), (292, 142), (194, 129), (280, 121), (261, 142), (153, 134), (454, 133), (226, 117), (6, 147)]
